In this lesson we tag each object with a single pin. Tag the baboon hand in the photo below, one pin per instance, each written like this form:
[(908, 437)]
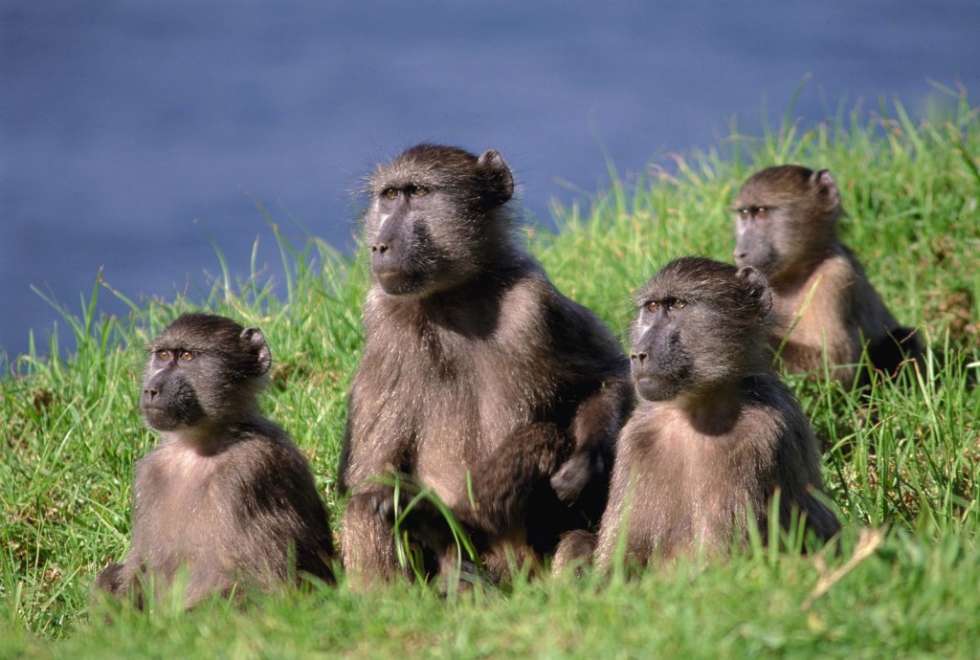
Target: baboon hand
[(572, 477), (379, 501)]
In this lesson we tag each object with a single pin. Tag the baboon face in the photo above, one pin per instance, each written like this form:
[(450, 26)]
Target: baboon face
[(784, 215), (699, 324), (202, 368), (435, 215)]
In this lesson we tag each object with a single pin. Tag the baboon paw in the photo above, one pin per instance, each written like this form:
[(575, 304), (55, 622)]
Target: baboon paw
[(380, 503), (572, 478)]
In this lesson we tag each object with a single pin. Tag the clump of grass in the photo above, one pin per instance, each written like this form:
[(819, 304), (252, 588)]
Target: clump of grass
[(905, 460)]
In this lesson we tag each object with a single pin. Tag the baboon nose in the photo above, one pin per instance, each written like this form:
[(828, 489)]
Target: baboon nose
[(638, 356), (151, 393), (740, 255), (380, 248)]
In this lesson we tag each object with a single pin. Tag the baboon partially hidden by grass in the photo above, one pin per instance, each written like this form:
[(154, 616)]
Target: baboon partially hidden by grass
[(825, 307), (226, 495), (715, 435)]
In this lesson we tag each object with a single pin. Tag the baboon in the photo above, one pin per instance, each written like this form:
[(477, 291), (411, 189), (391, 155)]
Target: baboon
[(825, 307), (479, 380), (715, 434), (226, 496)]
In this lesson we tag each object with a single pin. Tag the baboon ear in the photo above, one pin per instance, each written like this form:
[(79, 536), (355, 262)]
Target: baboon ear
[(496, 173), (255, 343), (827, 186), (757, 286)]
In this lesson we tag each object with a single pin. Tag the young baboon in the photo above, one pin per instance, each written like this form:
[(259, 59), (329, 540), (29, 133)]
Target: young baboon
[(825, 307), (225, 496), (479, 379), (715, 434)]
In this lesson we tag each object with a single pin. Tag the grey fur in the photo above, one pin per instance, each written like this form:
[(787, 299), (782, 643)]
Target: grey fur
[(475, 368), (825, 307), (713, 440), (226, 495)]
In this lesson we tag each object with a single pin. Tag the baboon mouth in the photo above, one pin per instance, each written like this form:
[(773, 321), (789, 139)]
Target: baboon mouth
[(397, 282), (656, 387), (162, 418)]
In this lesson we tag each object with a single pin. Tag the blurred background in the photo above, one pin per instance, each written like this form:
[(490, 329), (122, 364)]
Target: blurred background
[(141, 137)]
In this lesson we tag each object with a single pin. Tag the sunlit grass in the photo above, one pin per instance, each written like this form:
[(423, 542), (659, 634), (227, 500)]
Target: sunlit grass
[(905, 460)]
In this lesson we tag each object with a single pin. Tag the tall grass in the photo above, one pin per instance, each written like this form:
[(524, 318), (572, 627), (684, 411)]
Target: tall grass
[(904, 462)]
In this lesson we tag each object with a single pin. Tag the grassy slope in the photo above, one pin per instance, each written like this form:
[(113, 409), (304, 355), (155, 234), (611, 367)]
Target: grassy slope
[(69, 433)]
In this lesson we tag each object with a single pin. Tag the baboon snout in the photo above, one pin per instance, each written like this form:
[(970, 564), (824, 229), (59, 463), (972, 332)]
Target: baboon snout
[(386, 251), (639, 357), (153, 388)]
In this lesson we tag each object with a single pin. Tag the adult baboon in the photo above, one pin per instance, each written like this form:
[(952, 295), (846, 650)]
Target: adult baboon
[(479, 380)]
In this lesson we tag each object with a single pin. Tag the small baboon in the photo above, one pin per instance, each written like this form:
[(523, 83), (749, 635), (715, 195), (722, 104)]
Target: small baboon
[(715, 434), (226, 496), (479, 380), (824, 306)]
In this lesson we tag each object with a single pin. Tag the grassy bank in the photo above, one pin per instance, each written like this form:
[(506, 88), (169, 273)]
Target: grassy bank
[(910, 471)]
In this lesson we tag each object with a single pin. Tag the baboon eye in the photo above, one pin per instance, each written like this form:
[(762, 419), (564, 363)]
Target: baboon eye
[(420, 191), (389, 193), (679, 304), (743, 213), (165, 356), (761, 211), (652, 306), (185, 356)]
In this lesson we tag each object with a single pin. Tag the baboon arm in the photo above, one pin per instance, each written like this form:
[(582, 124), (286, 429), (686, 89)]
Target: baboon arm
[(367, 546), (369, 453), (503, 482), (276, 503), (613, 517), (594, 429), (342, 486), (799, 476)]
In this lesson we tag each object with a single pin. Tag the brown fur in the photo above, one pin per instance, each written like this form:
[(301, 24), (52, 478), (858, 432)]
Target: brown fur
[(825, 307), (227, 497), (476, 370), (716, 435)]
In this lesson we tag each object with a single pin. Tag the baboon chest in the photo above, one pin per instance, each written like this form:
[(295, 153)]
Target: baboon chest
[(815, 315), (468, 414), (183, 514), (695, 491)]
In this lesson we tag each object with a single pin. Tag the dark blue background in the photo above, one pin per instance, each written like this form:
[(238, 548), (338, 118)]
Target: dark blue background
[(134, 135)]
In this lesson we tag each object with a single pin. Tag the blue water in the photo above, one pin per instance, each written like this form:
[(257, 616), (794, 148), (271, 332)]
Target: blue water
[(137, 136)]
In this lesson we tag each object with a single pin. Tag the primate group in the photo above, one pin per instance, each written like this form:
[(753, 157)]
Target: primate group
[(482, 390)]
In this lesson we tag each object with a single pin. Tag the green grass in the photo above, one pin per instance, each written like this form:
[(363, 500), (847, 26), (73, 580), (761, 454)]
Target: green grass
[(907, 465)]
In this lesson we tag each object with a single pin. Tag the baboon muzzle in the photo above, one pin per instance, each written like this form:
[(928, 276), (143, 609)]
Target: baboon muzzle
[(658, 364)]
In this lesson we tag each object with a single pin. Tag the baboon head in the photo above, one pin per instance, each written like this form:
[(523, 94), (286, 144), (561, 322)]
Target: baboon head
[(699, 324), (436, 218), (202, 369), (785, 219)]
